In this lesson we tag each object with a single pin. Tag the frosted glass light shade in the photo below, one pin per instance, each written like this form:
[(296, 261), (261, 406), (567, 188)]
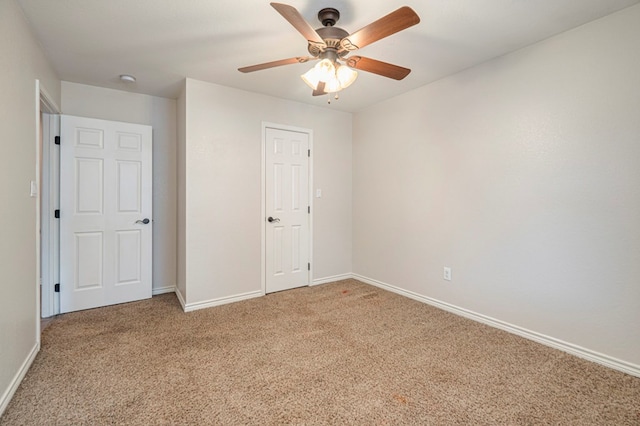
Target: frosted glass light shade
[(326, 70), (311, 78), (346, 76), (332, 86)]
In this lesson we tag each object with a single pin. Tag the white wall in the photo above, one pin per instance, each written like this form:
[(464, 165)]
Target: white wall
[(522, 175), (223, 187), (160, 113), (22, 62)]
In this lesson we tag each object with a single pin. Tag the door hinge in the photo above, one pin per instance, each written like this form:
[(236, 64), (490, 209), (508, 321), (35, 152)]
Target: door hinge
[(56, 140), (308, 266), (308, 153), (56, 214), (56, 288)]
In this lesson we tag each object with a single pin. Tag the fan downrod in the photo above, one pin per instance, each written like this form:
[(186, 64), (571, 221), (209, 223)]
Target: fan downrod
[(328, 16)]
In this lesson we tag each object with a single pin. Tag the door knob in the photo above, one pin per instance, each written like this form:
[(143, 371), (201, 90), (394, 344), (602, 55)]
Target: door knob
[(143, 221), (271, 219)]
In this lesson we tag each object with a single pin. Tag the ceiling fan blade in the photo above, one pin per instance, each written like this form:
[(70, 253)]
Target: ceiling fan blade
[(266, 65), (377, 67), (319, 90), (294, 17), (398, 20)]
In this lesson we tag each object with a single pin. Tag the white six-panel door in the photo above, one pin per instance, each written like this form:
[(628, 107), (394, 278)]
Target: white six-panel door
[(105, 197), (287, 240)]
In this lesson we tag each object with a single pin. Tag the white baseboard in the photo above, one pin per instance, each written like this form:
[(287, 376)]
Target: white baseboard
[(188, 307), (180, 297), (326, 280), (163, 290), (13, 387), (607, 361)]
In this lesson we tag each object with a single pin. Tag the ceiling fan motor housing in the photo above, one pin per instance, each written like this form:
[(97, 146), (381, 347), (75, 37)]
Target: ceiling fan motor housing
[(329, 33), (332, 37), (328, 16)]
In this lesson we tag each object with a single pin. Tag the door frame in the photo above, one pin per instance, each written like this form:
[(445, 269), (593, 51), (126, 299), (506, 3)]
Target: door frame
[(263, 207), (47, 250)]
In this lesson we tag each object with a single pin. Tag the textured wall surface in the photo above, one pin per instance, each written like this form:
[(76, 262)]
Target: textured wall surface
[(223, 187), (22, 63), (523, 176)]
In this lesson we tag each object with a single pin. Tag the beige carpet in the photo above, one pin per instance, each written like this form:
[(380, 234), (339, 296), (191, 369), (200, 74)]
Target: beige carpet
[(341, 353)]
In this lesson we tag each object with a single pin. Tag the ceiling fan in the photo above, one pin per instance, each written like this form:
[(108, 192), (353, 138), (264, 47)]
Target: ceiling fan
[(331, 45)]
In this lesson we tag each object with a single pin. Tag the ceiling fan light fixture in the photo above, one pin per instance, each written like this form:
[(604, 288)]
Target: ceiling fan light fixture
[(334, 76)]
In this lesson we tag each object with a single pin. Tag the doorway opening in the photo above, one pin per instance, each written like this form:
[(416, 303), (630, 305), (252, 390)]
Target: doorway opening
[(47, 231)]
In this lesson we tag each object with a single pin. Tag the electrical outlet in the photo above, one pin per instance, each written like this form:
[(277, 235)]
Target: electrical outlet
[(447, 273)]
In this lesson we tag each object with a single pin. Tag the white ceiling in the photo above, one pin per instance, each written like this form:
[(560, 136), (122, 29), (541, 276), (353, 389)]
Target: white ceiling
[(163, 41)]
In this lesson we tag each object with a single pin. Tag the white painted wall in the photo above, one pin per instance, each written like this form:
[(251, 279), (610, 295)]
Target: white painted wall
[(160, 113), (22, 62), (522, 175), (223, 187)]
